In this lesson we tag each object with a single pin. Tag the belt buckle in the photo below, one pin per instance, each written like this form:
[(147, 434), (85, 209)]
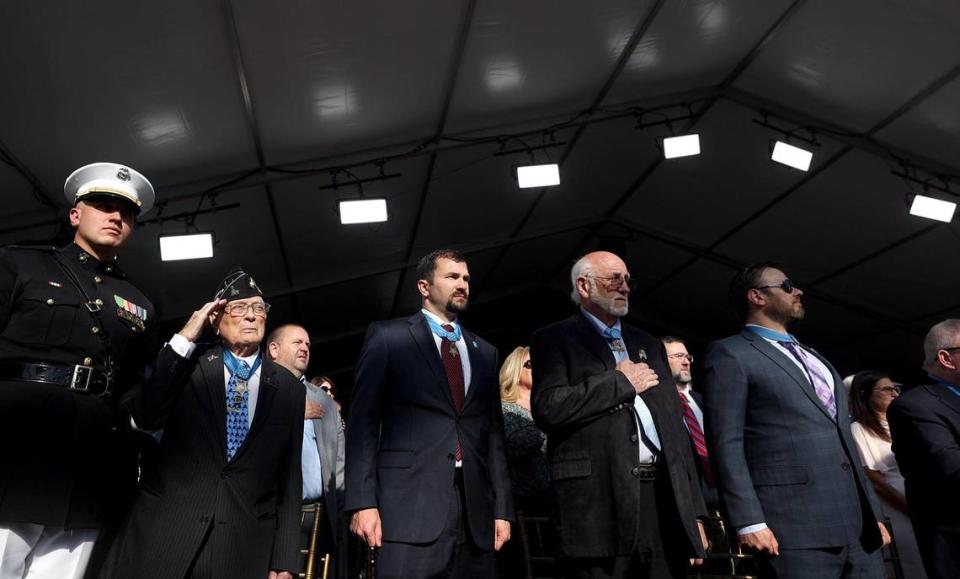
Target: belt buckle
[(81, 375)]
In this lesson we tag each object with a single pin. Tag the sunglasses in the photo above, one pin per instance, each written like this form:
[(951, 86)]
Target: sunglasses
[(786, 285)]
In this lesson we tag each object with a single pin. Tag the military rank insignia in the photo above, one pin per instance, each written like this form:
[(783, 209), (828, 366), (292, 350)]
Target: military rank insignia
[(131, 313)]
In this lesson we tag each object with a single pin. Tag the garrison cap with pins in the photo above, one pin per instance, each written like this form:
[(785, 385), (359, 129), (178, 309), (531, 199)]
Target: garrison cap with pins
[(112, 180), (238, 285)]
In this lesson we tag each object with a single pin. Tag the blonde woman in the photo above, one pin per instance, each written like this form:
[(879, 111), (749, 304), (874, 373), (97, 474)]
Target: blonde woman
[(526, 444)]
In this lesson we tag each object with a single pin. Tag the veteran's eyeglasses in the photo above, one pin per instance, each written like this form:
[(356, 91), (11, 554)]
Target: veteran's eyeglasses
[(681, 356), (615, 281), (240, 310)]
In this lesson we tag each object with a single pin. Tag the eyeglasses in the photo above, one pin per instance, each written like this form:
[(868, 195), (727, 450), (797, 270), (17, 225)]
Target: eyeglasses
[(616, 280), (786, 285), (890, 389), (527, 365), (680, 356), (240, 310)]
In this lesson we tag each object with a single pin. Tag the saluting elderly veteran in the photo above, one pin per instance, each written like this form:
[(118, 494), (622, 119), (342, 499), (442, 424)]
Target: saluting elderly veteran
[(70, 324), (222, 496)]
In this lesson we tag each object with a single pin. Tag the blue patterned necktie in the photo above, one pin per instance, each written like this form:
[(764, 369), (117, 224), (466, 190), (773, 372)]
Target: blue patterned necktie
[(238, 395)]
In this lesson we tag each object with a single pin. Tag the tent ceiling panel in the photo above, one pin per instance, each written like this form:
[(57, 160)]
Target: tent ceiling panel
[(150, 85), (700, 198), (326, 76), (931, 129), (694, 44), (836, 218), (834, 59), (900, 282), (513, 68), (319, 246)]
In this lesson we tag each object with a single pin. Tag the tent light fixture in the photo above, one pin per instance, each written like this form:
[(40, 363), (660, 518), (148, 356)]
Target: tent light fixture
[(547, 175), (187, 246), (371, 210), (932, 208), (791, 156), (681, 146)]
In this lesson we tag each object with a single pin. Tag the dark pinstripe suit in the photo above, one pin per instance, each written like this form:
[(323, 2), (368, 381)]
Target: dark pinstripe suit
[(778, 456), (239, 518)]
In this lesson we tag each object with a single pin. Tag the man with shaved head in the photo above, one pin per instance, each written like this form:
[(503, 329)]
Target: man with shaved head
[(624, 490), (322, 456)]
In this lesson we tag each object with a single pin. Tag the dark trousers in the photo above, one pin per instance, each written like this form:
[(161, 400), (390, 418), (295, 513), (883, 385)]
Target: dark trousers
[(652, 558), (453, 555), (849, 562), (939, 549)]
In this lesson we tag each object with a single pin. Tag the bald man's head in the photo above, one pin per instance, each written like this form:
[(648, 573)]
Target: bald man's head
[(289, 346), (601, 283)]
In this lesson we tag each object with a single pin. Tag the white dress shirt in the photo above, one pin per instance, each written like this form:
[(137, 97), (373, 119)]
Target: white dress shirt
[(642, 415)]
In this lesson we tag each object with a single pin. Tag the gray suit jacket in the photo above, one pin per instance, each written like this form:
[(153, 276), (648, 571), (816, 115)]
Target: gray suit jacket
[(330, 445), (778, 456)]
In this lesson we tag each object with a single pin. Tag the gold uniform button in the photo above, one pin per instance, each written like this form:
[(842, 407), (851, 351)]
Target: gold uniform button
[(50, 301), (87, 361), (97, 278), (109, 268), (95, 330), (99, 302)]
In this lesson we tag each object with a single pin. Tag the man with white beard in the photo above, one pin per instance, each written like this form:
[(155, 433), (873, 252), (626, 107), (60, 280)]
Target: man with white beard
[(623, 484)]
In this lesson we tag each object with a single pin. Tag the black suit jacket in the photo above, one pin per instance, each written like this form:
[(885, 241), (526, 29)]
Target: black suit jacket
[(925, 426), (255, 498), (403, 429), (586, 408)]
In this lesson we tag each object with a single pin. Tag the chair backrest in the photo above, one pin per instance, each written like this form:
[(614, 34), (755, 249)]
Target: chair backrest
[(539, 542)]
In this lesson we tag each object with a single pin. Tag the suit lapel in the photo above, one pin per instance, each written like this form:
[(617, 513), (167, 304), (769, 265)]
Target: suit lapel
[(594, 341), (476, 367), (948, 398), (788, 366), (211, 367), (428, 348)]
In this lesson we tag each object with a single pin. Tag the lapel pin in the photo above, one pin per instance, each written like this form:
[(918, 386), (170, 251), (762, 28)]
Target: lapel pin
[(211, 357), (475, 344)]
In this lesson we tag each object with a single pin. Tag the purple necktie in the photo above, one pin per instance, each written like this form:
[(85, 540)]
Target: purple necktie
[(820, 384)]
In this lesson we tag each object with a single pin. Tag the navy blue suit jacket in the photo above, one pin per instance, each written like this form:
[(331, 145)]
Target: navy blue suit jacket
[(925, 425), (777, 455), (403, 430)]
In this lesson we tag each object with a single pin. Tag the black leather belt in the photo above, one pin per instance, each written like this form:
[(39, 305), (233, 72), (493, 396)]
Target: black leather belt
[(86, 379), (645, 471)]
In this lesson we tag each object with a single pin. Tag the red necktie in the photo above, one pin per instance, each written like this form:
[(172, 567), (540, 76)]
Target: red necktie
[(454, 370), (696, 435)]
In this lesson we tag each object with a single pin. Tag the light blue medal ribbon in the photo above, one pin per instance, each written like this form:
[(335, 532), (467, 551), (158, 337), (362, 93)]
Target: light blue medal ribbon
[(952, 387), (437, 329), (769, 334)]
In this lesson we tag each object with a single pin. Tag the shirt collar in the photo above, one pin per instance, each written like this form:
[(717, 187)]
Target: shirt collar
[(437, 319), (249, 359), (596, 323), (685, 388), (768, 334)]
